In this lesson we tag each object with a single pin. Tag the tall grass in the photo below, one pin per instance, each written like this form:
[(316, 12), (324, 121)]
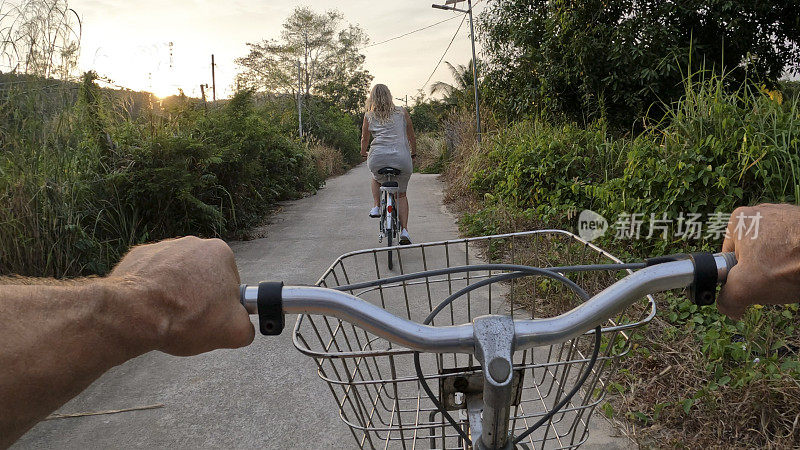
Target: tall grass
[(86, 173), (431, 153), (693, 378), (714, 150), (329, 161)]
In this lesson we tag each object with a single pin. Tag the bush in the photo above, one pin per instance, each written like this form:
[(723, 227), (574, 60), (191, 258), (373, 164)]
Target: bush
[(323, 122), (335, 128), (713, 151), (328, 160), (80, 182), (431, 153)]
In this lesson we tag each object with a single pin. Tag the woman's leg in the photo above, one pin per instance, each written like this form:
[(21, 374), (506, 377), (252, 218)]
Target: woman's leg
[(402, 207), (376, 192)]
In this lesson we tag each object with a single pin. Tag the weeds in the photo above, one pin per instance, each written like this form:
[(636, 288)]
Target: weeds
[(431, 153), (84, 174), (693, 378), (327, 160)]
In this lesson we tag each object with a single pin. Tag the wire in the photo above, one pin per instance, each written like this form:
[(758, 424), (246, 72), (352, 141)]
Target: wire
[(411, 32), (445, 52), (478, 267), (523, 272), (565, 400), (418, 29)]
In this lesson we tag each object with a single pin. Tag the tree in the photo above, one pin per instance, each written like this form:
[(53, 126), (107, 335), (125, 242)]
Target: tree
[(615, 58), (462, 92), (427, 113), (329, 54)]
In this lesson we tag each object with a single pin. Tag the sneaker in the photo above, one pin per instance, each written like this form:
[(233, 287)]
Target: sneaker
[(375, 212), (405, 239)]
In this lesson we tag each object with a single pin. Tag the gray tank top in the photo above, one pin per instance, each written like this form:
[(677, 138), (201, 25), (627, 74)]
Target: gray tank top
[(391, 135), (389, 147)]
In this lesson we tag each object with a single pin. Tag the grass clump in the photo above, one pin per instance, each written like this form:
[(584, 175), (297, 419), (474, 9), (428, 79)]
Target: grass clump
[(431, 153), (85, 173), (693, 378)]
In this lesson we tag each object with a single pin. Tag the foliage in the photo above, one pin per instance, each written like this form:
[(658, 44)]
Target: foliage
[(331, 64), (427, 114), (613, 59), (462, 93), (322, 121), (335, 128), (327, 160), (431, 153), (81, 182), (714, 150)]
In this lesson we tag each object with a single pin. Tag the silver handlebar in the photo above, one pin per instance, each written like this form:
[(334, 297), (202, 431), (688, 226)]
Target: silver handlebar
[(460, 339)]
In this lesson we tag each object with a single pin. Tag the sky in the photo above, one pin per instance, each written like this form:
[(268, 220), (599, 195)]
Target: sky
[(129, 41)]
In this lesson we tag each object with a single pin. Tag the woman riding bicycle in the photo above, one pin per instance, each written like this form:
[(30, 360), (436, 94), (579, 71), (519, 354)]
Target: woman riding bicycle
[(393, 145)]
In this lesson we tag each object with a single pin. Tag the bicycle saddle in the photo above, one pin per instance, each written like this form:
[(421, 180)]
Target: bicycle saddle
[(389, 171)]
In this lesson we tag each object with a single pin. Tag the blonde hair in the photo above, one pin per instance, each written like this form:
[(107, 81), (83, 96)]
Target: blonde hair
[(380, 103)]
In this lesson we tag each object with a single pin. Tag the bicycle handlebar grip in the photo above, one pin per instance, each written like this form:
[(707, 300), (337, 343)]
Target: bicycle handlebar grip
[(709, 271), (266, 300)]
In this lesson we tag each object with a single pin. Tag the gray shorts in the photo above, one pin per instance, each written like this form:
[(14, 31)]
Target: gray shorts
[(398, 159), (402, 180)]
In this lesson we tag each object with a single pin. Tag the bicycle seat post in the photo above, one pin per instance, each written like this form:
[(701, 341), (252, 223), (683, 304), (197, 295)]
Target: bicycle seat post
[(494, 347)]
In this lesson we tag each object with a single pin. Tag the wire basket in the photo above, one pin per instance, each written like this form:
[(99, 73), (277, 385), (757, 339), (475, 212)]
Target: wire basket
[(375, 383)]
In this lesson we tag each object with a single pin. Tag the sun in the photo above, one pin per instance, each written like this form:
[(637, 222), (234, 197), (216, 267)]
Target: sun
[(162, 86)]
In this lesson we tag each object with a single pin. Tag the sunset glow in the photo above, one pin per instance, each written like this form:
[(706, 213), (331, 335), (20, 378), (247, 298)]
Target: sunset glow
[(129, 44)]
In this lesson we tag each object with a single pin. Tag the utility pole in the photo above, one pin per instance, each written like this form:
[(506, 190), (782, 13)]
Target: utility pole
[(405, 100), (213, 81), (299, 99), (474, 58), (203, 93)]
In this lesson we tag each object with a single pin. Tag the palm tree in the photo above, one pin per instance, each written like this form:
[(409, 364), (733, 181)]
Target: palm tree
[(461, 92)]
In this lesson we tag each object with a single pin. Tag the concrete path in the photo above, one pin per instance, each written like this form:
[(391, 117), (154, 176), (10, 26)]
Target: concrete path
[(267, 395)]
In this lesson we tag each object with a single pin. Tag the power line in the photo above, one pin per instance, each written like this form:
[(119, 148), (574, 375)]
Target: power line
[(463, 18), (410, 32)]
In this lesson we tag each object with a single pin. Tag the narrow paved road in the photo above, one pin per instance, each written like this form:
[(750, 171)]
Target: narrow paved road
[(266, 395)]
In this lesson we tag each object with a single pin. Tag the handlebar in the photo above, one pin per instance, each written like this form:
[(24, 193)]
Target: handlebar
[(662, 276)]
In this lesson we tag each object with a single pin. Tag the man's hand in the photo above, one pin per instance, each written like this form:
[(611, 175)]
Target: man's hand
[(179, 296), (190, 287), (768, 267)]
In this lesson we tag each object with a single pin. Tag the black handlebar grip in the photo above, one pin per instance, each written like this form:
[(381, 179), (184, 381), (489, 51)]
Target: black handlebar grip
[(271, 319), (704, 288), (707, 275)]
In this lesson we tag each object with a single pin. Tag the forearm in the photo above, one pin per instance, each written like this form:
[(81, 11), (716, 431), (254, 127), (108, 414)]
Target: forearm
[(57, 340), (364, 146)]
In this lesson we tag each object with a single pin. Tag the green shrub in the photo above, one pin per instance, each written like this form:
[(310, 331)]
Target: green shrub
[(714, 150), (80, 182), (335, 128), (323, 121)]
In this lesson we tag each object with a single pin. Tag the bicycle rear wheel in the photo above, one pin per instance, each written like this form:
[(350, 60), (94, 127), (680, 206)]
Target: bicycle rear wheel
[(390, 226), (389, 236)]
